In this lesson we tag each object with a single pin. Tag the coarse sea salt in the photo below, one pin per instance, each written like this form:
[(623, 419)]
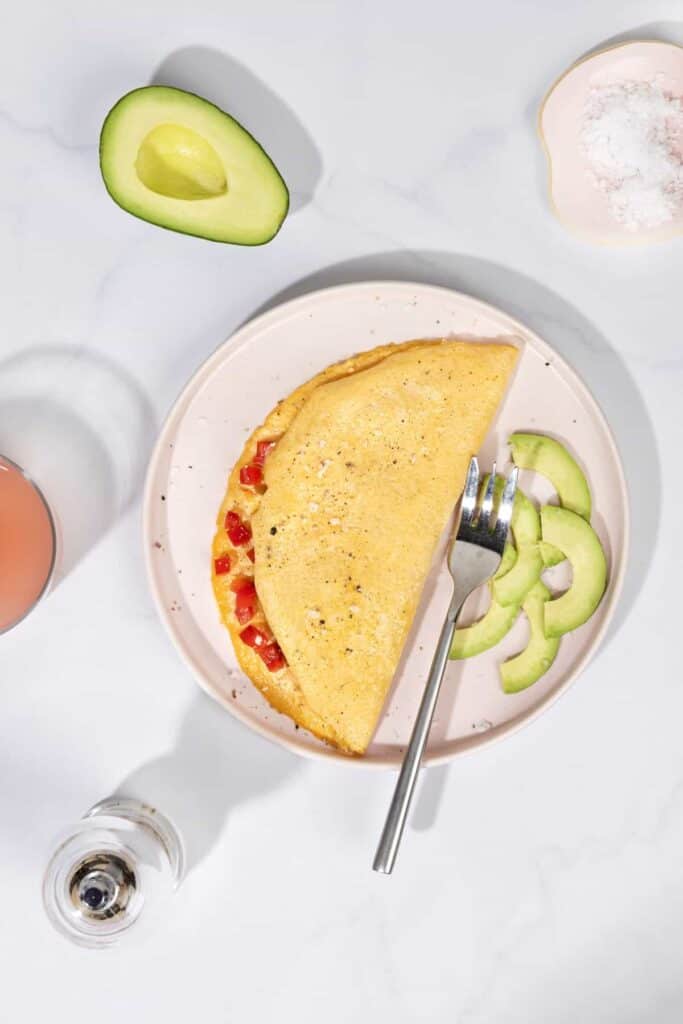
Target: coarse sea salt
[(632, 134)]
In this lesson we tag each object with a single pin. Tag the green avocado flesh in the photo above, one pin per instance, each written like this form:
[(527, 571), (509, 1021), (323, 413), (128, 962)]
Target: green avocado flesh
[(530, 664), (550, 555), (540, 541), (174, 159), (509, 588), (493, 626), (507, 561), (526, 525), (552, 460), (484, 633), (512, 587), (577, 539)]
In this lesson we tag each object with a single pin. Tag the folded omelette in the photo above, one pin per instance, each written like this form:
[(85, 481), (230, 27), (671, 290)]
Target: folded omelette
[(331, 518)]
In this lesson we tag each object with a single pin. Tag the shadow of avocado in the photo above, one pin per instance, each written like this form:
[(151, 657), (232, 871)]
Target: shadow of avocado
[(235, 89), (82, 429), (584, 348), (216, 764)]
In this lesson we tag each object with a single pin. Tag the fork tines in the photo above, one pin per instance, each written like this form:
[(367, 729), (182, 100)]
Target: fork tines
[(476, 522)]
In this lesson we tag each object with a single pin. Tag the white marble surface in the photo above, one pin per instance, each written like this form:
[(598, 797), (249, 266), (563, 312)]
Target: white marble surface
[(541, 880)]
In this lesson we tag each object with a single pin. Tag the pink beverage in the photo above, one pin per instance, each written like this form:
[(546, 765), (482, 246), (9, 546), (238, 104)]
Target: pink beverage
[(27, 545)]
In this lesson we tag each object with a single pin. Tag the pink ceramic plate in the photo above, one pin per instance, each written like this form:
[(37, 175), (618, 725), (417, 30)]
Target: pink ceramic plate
[(577, 202), (232, 393)]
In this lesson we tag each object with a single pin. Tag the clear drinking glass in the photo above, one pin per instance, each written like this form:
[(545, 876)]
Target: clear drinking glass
[(28, 544), (113, 869)]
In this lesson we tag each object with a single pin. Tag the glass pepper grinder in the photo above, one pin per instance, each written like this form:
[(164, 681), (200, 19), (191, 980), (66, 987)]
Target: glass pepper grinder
[(113, 869)]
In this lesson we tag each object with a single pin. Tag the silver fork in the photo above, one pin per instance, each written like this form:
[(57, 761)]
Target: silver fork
[(473, 556)]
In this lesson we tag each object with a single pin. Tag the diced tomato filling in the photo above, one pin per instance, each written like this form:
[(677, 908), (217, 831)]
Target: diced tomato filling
[(263, 450), (268, 650), (254, 637), (245, 599), (251, 475), (272, 656), (245, 608), (243, 583), (238, 531), (221, 565)]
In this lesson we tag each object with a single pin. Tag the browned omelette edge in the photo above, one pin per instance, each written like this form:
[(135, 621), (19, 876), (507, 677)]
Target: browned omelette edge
[(280, 688)]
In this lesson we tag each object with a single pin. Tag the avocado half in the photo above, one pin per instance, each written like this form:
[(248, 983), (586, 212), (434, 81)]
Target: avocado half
[(176, 160)]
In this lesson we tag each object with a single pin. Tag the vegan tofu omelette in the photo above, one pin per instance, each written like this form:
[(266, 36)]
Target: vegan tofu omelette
[(331, 519)]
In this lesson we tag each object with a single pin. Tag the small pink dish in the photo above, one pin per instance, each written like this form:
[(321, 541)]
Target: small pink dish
[(581, 206)]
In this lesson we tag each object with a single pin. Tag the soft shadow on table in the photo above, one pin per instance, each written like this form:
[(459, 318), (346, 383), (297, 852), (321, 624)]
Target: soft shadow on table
[(234, 88), (215, 765), (661, 31), (82, 429), (584, 347)]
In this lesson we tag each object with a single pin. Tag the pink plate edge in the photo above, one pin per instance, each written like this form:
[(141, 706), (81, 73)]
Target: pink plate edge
[(326, 752)]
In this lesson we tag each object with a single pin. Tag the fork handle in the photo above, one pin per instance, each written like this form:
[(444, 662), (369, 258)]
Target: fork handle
[(403, 793)]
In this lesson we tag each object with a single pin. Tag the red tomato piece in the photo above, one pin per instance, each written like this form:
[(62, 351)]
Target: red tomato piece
[(221, 565), (263, 450), (232, 520), (251, 555), (245, 599), (245, 607), (243, 583), (238, 531), (253, 637), (251, 475), (272, 656)]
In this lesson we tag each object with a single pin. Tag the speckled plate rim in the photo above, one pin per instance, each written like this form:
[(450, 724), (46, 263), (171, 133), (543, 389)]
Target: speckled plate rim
[(242, 336), (646, 238)]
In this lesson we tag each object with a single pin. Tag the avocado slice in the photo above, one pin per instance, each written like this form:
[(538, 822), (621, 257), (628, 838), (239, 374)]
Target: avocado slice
[(579, 541), (526, 526), (176, 160), (509, 588), (507, 561), (491, 627), (530, 664), (484, 633), (551, 555), (550, 458), (525, 523)]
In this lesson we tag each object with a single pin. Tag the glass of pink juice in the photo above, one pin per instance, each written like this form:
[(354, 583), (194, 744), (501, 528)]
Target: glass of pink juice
[(27, 545)]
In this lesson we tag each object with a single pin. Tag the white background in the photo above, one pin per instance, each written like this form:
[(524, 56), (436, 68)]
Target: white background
[(540, 880)]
